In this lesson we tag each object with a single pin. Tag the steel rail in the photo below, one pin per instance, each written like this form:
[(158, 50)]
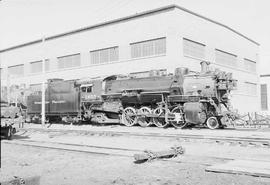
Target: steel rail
[(66, 147), (258, 140)]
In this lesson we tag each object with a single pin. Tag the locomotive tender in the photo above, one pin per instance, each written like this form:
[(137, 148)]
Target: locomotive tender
[(157, 99)]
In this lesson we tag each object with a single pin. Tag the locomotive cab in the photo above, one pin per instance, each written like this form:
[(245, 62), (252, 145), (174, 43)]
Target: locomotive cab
[(87, 94)]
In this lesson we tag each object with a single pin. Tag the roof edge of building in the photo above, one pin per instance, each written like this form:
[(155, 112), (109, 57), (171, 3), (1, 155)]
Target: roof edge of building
[(265, 75), (161, 9), (216, 22)]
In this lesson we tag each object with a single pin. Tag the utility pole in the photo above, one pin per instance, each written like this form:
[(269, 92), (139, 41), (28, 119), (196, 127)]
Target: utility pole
[(43, 103), (8, 88)]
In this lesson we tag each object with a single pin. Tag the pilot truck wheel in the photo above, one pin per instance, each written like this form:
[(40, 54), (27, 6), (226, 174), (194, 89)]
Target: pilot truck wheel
[(212, 123)]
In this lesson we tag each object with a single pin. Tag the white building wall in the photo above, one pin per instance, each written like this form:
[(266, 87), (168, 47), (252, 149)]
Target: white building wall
[(121, 34), (174, 25), (217, 37)]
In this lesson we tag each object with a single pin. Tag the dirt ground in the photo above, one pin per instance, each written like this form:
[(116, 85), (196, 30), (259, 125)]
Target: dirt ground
[(57, 167), (64, 168)]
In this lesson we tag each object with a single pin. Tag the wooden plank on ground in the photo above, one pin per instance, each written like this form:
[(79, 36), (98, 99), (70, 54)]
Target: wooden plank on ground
[(246, 167)]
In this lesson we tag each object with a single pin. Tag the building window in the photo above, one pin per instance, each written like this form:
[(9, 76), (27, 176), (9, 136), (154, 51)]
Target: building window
[(104, 55), (4, 93), (47, 65), (1, 73), (36, 67), (36, 87), (148, 48), (225, 58), (16, 71), (251, 88), (193, 49), (87, 88), (250, 65), (69, 61), (264, 103)]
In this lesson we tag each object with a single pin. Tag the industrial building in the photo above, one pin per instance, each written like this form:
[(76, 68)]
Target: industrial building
[(163, 38)]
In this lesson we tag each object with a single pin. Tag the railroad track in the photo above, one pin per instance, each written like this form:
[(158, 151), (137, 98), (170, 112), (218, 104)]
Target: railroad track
[(242, 141), (205, 160), (91, 149), (111, 151)]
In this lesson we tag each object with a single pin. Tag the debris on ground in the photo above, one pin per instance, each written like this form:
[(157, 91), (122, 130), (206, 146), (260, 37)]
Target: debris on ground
[(25, 181), (149, 155)]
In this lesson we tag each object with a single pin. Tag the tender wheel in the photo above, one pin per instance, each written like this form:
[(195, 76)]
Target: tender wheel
[(143, 119), (212, 123), (159, 120), (129, 117), (177, 119)]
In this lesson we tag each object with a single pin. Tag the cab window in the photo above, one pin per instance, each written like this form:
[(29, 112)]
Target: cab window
[(83, 89), (89, 89), (86, 89)]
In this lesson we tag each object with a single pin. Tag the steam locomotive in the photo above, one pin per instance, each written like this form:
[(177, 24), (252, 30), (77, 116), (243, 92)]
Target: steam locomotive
[(179, 99)]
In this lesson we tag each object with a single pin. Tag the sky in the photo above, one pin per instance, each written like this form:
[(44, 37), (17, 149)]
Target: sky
[(26, 20)]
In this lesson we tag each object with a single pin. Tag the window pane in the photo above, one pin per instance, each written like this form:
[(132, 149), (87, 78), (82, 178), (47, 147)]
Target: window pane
[(36, 67), (94, 57), (225, 58), (114, 54), (69, 61), (1, 73), (264, 103), (250, 65), (16, 71), (4, 93), (36, 87), (148, 48), (83, 89), (136, 51), (194, 49), (89, 89), (104, 55), (47, 65), (76, 60), (160, 46)]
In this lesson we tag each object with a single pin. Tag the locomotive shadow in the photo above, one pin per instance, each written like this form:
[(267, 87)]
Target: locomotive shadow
[(202, 127), (18, 137)]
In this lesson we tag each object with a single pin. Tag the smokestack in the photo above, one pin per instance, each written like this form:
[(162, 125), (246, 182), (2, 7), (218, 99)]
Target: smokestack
[(204, 67)]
